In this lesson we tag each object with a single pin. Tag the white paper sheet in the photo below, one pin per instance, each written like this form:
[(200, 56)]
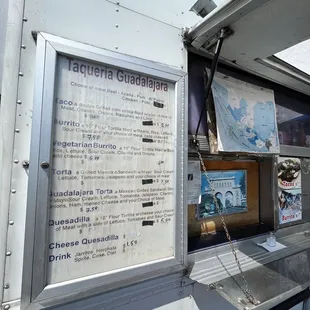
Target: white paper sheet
[(193, 182), (278, 246)]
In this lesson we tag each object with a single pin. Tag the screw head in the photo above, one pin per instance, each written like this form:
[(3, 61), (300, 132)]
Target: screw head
[(25, 19), (6, 307), (17, 130), (116, 25), (8, 253), (6, 286), (13, 191), (16, 161), (116, 47), (45, 165), (23, 46), (11, 222), (21, 74), (19, 101)]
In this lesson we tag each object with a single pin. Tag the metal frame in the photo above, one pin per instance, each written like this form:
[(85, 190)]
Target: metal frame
[(35, 292)]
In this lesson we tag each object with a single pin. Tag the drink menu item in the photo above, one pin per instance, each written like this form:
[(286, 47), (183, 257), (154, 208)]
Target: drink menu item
[(112, 190)]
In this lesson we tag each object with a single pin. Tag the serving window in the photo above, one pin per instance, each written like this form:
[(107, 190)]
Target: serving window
[(272, 177)]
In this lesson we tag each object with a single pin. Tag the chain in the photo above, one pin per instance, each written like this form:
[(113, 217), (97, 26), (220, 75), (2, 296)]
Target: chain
[(246, 289)]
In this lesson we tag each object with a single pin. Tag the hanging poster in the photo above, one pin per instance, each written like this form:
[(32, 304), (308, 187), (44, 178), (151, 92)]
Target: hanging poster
[(230, 190), (193, 182), (245, 117), (112, 192), (289, 190)]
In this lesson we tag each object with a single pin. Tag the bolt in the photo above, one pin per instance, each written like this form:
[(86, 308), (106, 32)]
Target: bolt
[(21, 74), (8, 253), (11, 222), (6, 307), (6, 286), (23, 46), (16, 161), (19, 101), (13, 191), (17, 130)]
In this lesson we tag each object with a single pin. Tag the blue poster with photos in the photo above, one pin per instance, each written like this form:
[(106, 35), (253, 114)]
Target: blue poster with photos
[(229, 190)]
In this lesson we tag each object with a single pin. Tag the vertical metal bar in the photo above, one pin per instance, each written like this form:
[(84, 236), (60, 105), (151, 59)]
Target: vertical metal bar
[(212, 72), (43, 202)]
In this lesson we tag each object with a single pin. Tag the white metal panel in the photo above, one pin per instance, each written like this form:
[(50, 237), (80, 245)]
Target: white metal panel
[(262, 32), (15, 241), (136, 35), (272, 35), (173, 12), (8, 133), (3, 21), (107, 25)]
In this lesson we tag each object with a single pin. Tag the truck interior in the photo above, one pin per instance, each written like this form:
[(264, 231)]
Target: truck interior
[(267, 46)]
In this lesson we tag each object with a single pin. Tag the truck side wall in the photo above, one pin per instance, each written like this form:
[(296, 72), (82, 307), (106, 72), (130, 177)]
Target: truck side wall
[(152, 31)]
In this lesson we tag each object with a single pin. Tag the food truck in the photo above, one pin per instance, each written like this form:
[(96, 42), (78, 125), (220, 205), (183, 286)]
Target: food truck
[(154, 154)]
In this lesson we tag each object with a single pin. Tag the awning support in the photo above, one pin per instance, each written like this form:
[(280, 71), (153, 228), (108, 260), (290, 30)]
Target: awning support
[(194, 141)]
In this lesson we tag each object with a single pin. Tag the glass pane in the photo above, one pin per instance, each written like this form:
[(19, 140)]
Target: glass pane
[(294, 127), (112, 192)]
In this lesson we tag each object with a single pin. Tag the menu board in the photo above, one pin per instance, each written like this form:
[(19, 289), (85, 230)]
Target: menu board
[(112, 189)]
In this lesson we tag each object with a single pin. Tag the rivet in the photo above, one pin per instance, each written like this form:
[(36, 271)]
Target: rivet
[(117, 2), (17, 130), (21, 74), (16, 161), (6, 286), (116, 47), (19, 101), (23, 46), (25, 163), (13, 191), (25, 19), (11, 222), (8, 253), (117, 10), (116, 25), (6, 307)]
